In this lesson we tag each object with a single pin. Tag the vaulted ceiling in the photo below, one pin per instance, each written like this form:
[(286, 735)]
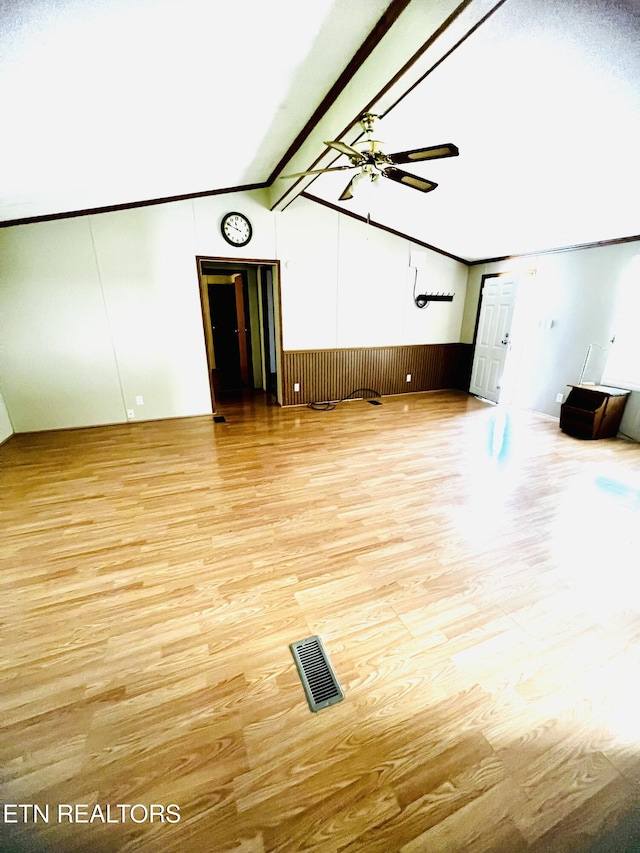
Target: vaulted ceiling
[(116, 102)]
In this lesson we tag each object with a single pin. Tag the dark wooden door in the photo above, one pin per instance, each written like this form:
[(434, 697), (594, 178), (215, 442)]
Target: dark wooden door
[(229, 335), (242, 330), (268, 330)]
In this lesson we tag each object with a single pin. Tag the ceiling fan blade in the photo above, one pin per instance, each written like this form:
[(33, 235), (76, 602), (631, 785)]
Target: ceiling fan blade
[(347, 193), (433, 152), (343, 148), (408, 180), (316, 171)]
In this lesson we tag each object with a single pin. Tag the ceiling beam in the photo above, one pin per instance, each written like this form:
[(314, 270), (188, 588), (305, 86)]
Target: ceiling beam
[(391, 15), (419, 40)]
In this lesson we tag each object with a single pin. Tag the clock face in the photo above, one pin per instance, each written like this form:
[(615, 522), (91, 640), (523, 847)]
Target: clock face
[(236, 229)]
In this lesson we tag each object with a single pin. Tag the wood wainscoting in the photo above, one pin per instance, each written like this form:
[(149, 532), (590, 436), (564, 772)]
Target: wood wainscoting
[(333, 374)]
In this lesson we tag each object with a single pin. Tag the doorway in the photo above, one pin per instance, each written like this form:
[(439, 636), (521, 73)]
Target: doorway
[(241, 318)]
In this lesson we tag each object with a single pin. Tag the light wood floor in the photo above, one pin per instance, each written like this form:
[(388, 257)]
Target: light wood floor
[(473, 573)]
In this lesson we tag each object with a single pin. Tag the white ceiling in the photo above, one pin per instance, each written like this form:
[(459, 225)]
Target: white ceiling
[(109, 102), (113, 101)]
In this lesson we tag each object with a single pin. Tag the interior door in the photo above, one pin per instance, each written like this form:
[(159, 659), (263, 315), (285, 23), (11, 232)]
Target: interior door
[(493, 339), (229, 334), (268, 329), (241, 331)]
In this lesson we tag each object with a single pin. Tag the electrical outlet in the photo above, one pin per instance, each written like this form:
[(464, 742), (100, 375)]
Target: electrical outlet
[(559, 398), (296, 386), (131, 414), (139, 400), (408, 377)]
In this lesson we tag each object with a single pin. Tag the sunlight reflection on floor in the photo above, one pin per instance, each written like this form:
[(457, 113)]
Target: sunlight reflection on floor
[(596, 537), (492, 478)]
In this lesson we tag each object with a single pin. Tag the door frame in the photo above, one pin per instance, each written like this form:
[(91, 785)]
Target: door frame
[(213, 265)]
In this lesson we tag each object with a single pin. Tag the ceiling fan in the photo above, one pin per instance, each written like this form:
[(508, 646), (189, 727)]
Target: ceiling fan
[(373, 162)]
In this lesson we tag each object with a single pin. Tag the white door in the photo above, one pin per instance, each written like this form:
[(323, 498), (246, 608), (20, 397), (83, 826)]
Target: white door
[(493, 339)]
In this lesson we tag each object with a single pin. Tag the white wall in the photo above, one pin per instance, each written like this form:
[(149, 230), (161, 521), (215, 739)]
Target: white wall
[(6, 427), (148, 275), (577, 291), (98, 310), (308, 252), (57, 363), (347, 284)]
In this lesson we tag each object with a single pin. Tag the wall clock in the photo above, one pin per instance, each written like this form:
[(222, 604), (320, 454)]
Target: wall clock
[(236, 229)]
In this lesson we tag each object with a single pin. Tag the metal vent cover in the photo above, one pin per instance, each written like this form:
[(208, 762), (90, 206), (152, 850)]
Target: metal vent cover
[(316, 673)]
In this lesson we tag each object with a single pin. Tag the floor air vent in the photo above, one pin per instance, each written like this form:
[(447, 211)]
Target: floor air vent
[(219, 419), (316, 673), (374, 402)]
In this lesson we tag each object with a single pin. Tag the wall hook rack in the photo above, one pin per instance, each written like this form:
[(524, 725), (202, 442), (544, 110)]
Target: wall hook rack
[(422, 300)]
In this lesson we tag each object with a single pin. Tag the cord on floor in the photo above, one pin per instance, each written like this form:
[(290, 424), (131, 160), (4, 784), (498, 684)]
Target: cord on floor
[(328, 405)]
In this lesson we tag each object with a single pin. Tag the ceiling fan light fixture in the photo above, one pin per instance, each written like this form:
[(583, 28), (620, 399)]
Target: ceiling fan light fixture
[(367, 172)]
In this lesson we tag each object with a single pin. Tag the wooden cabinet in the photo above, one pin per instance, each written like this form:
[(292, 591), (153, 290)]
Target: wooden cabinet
[(593, 411)]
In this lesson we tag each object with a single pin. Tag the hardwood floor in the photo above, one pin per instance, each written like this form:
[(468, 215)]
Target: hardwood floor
[(473, 573)]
